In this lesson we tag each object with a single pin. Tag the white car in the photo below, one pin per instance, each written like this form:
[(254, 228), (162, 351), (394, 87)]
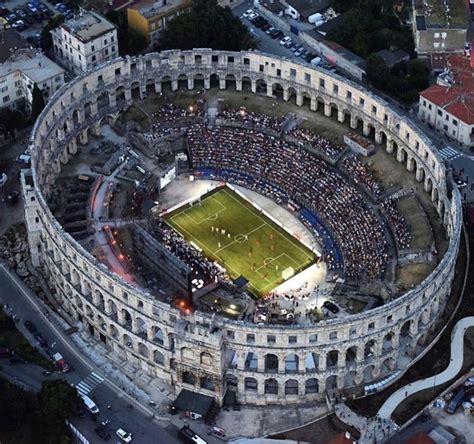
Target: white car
[(24, 158), (124, 436), (3, 179), (247, 13), (285, 41)]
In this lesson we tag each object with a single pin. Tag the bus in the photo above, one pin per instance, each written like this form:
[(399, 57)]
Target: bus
[(188, 436)]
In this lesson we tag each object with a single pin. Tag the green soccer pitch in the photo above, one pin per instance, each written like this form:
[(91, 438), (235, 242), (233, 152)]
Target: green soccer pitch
[(232, 232)]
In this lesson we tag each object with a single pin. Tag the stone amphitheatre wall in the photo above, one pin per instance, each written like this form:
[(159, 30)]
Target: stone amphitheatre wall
[(256, 361)]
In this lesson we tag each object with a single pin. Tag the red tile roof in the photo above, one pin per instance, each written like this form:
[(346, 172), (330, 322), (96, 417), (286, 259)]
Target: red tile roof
[(420, 438), (457, 99)]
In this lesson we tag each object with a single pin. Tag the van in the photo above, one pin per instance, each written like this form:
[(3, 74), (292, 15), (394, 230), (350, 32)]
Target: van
[(90, 405), (24, 158), (456, 402)]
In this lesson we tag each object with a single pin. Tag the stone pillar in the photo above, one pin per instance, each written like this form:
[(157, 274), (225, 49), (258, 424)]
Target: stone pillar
[(390, 146), (260, 364), (411, 164), (427, 184), (112, 99), (440, 207), (81, 115), (96, 129), (340, 116), (269, 90), (222, 83), (95, 298), (299, 98), (83, 137), (353, 122), (157, 87), (135, 325), (286, 94), (120, 316), (174, 85), (425, 316), (376, 371), (400, 155), (94, 108), (72, 147), (238, 85), (207, 82), (281, 363), (128, 94), (253, 86), (190, 82), (69, 125), (360, 354), (150, 334), (313, 105), (433, 194), (419, 175), (413, 328), (341, 359), (366, 129), (378, 137), (64, 157), (327, 109)]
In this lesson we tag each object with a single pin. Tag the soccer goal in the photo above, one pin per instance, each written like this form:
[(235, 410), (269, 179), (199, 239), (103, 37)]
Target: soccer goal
[(287, 273)]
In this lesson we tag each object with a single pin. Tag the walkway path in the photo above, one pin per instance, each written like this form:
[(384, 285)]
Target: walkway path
[(381, 427)]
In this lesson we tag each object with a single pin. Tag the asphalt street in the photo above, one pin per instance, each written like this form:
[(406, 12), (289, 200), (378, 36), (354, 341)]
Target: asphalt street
[(133, 419)]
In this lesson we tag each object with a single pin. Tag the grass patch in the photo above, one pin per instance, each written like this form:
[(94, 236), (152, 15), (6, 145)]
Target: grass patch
[(241, 239), (10, 337)]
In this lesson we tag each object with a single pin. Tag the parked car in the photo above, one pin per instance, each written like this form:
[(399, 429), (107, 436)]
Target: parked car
[(248, 13), (41, 340), (19, 25), (276, 34), (11, 18), (123, 435), (266, 27), (269, 30), (260, 23), (30, 326), (256, 18), (299, 51), (285, 40), (331, 306), (28, 16)]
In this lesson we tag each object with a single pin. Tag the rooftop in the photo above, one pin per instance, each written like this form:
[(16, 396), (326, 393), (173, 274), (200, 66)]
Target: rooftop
[(391, 58), (455, 89), (10, 41), (152, 8), (32, 64), (87, 26), (439, 15)]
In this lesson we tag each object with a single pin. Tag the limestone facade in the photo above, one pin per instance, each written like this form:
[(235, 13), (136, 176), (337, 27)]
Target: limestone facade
[(263, 364)]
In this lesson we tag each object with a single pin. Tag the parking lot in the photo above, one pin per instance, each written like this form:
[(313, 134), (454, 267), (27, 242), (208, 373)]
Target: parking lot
[(29, 17), (274, 46)]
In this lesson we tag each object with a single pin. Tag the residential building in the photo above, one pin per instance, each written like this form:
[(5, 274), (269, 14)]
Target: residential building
[(150, 17), (439, 26), (21, 68), (85, 41), (448, 106), (302, 9)]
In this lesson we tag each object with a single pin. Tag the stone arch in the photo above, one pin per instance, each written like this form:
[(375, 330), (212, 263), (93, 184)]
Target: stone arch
[(127, 341), (383, 138), (334, 110), (135, 89), (230, 82), (350, 378), (141, 326), (292, 94), (89, 311), (126, 316), (332, 358), (371, 131), (261, 86), (331, 382), (369, 373), (187, 354), (306, 99), (271, 386), (312, 362), (120, 93), (158, 335), (311, 386), (277, 90), (346, 117), (271, 363), (207, 383), (182, 80), (165, 83), (291, 387), (158, 357), (87, 109), (206, 358), (143, 350), (405, 330), (246, 84), (387, 345), (250, 385), (388, 365), (114, 332), (214, 80), (251, 362), (199, 80), (369, 349), (320, 104), (292, 363), (189, 378), (351, 356), (112, 308), (150, 86)]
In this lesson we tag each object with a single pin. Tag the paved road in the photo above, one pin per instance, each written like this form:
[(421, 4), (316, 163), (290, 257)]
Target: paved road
[(86, 375), (450, 372)]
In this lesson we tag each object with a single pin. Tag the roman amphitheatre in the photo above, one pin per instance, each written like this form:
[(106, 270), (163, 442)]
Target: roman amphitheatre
[(200, 213)]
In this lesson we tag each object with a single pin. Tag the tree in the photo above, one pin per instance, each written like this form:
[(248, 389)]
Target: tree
[(38, 102), (46, 38), (207, 25), (377, 71)]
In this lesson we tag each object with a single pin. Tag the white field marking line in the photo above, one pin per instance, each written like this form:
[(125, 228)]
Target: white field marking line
[(234, 241), (186, 206), (273, 259), (291, 239), (185, 210)]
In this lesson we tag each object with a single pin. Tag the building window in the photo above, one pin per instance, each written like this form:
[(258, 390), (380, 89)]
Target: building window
[(105, 41), (246, 61), (230, 59), (93, 48), (230, 334), (455, 122), (321, 83), (113, 48), (349, 95), (361, 101), (292, 339), (250, 338), (271, 339), (440, 113), (429, 106), (261, 68), (215, 59), (313, 338), (93, 58), (117, 72), (292, 72), (106, 52), (307, 77), (374, 109), (335, 88), (6, 99), (371, 326), (278, 72), (333, 335), (112, 39)]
